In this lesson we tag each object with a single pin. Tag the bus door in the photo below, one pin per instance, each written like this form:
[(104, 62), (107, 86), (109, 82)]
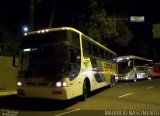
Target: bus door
[(74, 69)]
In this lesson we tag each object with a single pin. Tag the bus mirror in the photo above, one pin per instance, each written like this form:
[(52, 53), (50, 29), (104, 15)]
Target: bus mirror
[(14, 62), (129, 63)]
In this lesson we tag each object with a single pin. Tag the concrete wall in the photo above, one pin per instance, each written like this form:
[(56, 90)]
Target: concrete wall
[(7, 75)]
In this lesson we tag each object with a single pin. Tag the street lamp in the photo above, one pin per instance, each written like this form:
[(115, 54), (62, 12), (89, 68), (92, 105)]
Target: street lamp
[(25, 29)]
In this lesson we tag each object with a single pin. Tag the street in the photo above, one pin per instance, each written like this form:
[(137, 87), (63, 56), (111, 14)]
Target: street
[(125, 97)]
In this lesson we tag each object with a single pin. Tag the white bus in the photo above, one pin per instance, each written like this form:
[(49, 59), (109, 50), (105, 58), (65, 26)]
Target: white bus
[(133, 67), (63, 63)]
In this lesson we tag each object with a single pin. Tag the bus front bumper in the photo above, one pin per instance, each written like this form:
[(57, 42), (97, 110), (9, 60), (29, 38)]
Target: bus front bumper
[(61, 93)]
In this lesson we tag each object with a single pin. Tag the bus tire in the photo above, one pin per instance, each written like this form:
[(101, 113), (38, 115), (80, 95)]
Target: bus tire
[(135, 78), (113, 81), (149, 77), (86, 90)]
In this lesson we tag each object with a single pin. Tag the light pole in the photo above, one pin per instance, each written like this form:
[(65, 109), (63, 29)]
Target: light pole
[(32, 13), (25, 29), (52, 14)]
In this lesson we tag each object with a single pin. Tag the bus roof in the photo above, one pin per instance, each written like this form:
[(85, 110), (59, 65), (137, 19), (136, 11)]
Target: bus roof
[(52, 29), (127, 57), (71, 29)]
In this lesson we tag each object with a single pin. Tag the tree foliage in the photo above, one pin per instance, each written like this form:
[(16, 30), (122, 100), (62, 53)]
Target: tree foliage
[(124, 34), (8, 41), (103, 27)]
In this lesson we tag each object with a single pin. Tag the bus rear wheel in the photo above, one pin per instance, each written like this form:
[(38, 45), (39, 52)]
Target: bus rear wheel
[(135, 79), (113, 81)]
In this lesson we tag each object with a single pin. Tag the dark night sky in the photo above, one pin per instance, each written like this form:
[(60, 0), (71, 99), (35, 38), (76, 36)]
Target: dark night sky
[(16, 11)]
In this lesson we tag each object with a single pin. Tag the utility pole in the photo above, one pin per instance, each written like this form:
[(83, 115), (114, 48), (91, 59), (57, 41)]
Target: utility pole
[(31, 23), (52, 14), (31, 15)]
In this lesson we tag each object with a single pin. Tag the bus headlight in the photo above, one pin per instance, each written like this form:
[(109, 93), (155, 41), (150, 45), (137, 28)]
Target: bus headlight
[(61, 84), (64, 84), (19, 83), (58, 84), (116, 77)]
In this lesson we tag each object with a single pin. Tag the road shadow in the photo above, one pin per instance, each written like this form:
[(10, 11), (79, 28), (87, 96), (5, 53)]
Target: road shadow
[(34, 104)]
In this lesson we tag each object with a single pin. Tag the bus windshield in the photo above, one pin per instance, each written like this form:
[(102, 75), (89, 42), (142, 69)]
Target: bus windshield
[(42, 55), (124, 66), (38, 40), (46, 61)]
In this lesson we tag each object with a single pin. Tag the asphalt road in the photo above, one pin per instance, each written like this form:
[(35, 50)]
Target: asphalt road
[(140, 98)]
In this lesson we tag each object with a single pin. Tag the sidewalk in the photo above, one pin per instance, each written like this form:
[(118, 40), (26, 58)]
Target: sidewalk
[(8, 75), (7, 92)]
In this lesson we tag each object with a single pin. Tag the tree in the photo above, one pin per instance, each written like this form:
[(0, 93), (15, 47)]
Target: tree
[(32, 13), (105, 28), (124, 34), (8, 41)]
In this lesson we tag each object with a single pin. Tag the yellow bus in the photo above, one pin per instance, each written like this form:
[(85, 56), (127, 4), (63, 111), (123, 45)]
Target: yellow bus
[(63, 63)]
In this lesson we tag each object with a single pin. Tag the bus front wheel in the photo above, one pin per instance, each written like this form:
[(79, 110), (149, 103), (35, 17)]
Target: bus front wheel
[(85, 90)]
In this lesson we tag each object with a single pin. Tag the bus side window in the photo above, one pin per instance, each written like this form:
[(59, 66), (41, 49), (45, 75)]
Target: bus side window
[(72, 56), (75, 39), (101, 53), (86, 46), (74, 60), (129, 63), (107, 55), (95, 50)]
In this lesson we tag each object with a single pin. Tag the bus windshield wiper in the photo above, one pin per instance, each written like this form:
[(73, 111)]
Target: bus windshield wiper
[(29, 56)]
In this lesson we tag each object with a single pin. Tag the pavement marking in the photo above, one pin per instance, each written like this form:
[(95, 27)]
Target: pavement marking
[(125, 95), (150, 87), (66, 112)]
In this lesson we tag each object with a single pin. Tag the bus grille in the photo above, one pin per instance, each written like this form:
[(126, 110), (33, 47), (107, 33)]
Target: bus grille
[(43, 84), (30, 83), (37, 84)]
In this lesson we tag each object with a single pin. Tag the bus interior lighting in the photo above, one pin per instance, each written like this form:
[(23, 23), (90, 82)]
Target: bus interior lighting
[(27, 49)]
